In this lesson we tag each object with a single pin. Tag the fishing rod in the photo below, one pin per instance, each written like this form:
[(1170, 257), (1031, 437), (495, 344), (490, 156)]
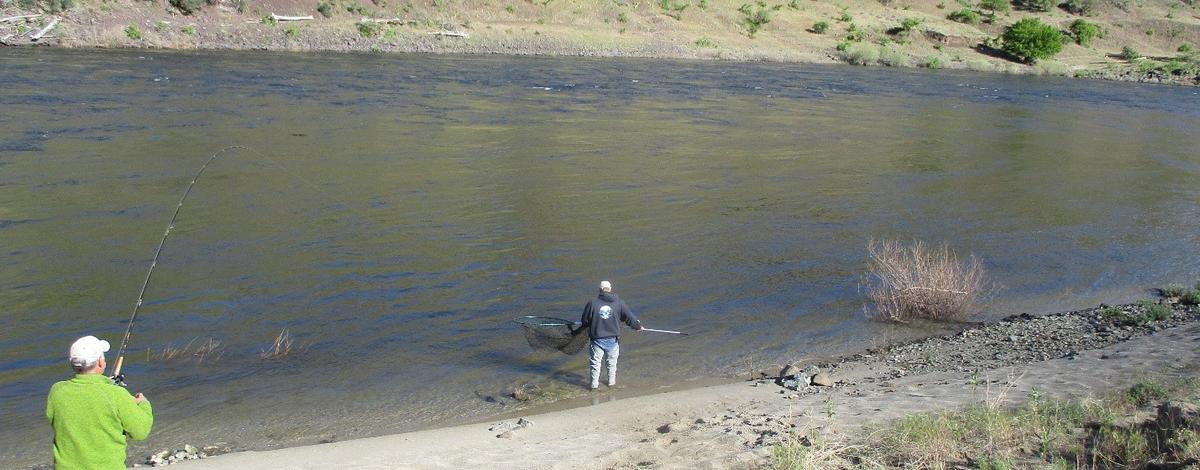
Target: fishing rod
[(117, 377), (664, 331)]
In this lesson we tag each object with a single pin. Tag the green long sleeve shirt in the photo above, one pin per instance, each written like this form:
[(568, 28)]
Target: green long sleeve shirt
[(91, 418)]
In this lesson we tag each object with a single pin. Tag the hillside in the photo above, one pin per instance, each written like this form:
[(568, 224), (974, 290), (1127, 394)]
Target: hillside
[(1142, 40)]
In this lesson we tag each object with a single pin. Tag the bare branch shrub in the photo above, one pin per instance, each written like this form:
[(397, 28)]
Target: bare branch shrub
[(914, 281)]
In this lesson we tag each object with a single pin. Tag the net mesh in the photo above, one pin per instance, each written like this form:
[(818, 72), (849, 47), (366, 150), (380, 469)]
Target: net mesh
[(549, 333)]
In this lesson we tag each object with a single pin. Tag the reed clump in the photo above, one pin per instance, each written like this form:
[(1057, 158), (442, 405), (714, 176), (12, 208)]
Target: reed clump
[(916, 281), (283, 346), (209, 350)]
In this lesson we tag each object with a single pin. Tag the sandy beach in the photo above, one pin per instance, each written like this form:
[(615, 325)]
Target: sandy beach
[(735, 425)]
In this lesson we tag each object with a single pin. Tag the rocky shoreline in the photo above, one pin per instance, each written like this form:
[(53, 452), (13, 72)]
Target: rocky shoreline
[(1014, 340)]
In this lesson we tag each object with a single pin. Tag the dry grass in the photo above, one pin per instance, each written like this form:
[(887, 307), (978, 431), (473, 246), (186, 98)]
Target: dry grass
[(283, 346), (210, 350), (809, 450), (908, 282)]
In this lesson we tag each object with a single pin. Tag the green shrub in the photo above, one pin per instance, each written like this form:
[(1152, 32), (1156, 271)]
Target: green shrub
[(189, 30), (1173, 290), (1031, 40), (853, 34), (1129, 53), (1153, 311), (1146, 392), (820, 27), (909, 24), (755, 18), (1039, 5), (934, 63), (133, 32), (367, 29), (1185, 48), (893, 58), (861, 54), (1084, 32), (356, 9), (1082, 7), (1191, 297), (673, 9), (269, 20), (187, 7), (706, 42), (292, 32), (995, 6), (965, 16), (845, 18), (325, 9), (843, 45), (59, 6)]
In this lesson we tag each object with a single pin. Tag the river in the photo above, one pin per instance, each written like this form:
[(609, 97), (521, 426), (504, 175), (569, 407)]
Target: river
[(394, 212)]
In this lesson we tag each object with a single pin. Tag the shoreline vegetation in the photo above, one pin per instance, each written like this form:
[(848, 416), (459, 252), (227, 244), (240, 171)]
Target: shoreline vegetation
[(1132, 40)]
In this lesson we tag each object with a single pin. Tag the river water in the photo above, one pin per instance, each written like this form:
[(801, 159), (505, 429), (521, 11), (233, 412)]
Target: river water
[(396, 211)]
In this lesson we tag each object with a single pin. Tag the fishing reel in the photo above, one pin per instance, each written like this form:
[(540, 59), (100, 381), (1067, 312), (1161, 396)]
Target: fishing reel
[(119, 379)]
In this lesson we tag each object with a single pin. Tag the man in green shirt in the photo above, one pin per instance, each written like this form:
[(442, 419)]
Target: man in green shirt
[(91, 417)]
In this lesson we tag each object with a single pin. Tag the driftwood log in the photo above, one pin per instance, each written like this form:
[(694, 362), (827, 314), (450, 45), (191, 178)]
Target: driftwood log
[(38, 35), (453, 34), (18, 18), (396, 21), (291, 18)]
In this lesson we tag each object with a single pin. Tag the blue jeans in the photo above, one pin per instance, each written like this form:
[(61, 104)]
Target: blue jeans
[(601, 347)]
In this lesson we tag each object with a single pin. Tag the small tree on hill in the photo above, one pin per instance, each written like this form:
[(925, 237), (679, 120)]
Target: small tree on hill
[(1085, 32), (1031, 40), (995, 6)]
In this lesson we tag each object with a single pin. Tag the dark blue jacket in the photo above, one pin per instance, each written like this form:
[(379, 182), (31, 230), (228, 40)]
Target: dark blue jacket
[(602, 314)]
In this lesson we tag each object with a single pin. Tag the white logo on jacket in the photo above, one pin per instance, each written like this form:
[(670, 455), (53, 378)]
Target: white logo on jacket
[(605, 312)]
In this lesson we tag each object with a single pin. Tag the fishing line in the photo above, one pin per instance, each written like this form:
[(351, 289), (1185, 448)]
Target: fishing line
[(117, 376)]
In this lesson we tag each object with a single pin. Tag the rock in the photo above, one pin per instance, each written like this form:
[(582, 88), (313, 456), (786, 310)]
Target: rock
[(822, 379), (190, 449), (664, 429), (1174, 415), (787, 372), (520, 395), (810, 371), (524, 423), (793, 384), (505, 435)]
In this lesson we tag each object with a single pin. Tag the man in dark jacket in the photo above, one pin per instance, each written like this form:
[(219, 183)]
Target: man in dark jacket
[(601, 317)]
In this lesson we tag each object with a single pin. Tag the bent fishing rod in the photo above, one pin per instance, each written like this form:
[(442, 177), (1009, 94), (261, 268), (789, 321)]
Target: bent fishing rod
[(117, 377)]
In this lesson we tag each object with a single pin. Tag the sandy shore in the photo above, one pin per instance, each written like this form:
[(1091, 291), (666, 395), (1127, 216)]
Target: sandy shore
[(735, 425)]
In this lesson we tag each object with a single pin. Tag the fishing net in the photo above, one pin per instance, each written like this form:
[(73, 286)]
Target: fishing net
[(549, 333)]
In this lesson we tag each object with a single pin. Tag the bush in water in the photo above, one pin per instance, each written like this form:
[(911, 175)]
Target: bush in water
[(915, 281), (1030, 40)]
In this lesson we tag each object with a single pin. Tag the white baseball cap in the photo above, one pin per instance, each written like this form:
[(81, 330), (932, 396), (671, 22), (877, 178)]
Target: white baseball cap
[(87, 350), (605, 285)]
